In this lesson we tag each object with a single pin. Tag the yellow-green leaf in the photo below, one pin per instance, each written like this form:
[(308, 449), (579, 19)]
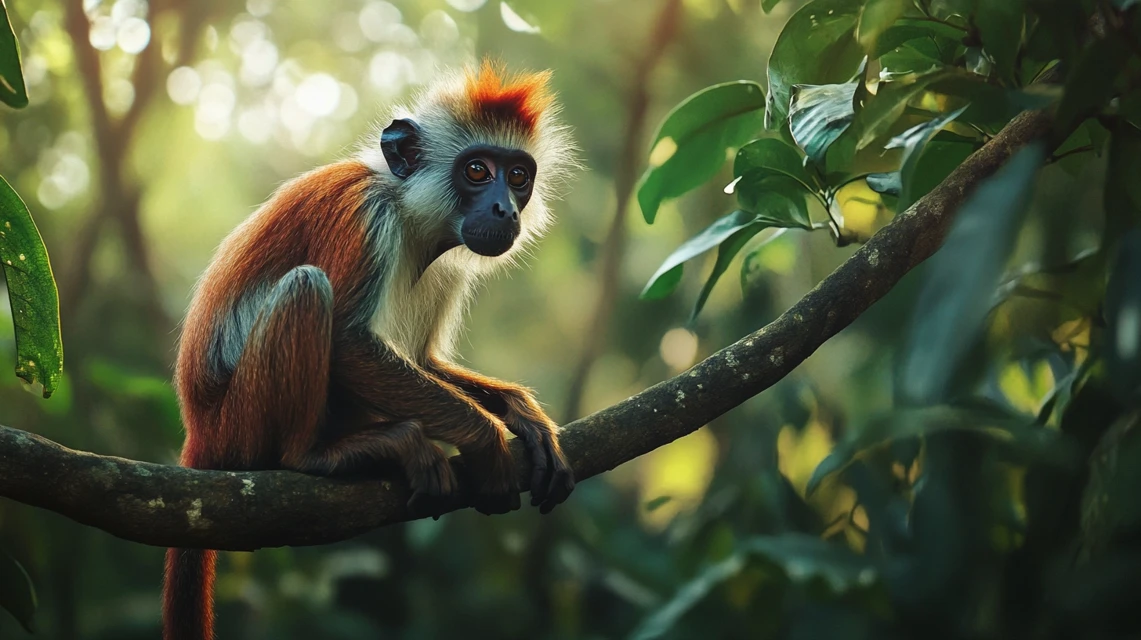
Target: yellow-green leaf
[(31, 292)]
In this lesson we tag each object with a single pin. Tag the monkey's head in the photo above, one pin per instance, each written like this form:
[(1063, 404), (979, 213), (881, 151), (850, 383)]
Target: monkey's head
[(477, 158)]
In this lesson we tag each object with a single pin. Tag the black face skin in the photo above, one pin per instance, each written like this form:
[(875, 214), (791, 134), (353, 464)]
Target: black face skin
[(493, 184)]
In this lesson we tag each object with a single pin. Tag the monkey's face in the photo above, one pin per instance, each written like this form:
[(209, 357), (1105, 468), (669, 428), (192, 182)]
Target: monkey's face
[(493, 185)]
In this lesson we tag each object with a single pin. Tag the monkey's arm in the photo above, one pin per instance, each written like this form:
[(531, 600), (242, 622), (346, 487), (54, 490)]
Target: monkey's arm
[(552, 479), (389, 385)]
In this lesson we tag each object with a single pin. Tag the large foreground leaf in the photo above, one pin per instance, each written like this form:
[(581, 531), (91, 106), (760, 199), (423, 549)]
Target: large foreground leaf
[(962, 277), (31, 292)]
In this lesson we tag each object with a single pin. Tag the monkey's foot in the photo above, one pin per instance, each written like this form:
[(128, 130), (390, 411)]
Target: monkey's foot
[(552, 479), (496, 488), (434, 489)]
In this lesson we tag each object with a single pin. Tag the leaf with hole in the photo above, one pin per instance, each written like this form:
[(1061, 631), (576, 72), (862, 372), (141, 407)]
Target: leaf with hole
[(818, 114), (17, 593), (817, 46), (12, 90), (693, 140), (31, 293), (961, 279)]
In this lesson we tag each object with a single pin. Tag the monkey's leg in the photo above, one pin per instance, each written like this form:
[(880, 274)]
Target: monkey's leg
[(276, 399), (552, 479), (389, 385), (429, 474)]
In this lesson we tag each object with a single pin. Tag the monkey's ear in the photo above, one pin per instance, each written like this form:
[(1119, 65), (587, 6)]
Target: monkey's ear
[(400, 143)]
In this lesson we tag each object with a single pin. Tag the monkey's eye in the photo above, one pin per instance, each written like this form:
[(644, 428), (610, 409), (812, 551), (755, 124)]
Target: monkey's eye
[(518, 177), (477, 171)]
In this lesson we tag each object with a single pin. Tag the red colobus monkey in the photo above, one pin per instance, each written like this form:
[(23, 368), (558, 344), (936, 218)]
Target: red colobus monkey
[(319, 336)]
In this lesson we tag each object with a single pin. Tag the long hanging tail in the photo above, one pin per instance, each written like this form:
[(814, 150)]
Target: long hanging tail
[(282, 374), (188, 595)]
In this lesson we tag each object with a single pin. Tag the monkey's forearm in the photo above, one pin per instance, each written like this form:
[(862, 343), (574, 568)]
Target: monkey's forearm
[(551, 477), (511, 402), (390, 385)]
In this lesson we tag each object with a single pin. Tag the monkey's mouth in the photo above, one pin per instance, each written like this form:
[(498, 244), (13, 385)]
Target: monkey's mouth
[(488, 242)]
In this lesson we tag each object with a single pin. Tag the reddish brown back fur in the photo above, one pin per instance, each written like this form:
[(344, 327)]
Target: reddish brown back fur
[(314, 219)]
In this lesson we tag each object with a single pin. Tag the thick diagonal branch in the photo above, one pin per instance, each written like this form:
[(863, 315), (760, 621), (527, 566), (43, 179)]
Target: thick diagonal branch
[(171, 506)]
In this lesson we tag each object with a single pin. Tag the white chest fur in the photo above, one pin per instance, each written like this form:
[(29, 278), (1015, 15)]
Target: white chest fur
[(419, 316)]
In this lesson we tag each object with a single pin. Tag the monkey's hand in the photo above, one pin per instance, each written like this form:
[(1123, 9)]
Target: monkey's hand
[(552, 479)]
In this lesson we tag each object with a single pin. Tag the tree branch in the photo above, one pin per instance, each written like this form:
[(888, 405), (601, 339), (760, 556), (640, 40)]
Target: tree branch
[(172, 506)]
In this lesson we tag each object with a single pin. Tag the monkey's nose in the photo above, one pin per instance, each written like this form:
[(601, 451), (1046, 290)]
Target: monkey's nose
[(502, 211)]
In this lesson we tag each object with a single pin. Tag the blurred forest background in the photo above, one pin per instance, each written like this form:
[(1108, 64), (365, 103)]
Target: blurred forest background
[(155, 127)]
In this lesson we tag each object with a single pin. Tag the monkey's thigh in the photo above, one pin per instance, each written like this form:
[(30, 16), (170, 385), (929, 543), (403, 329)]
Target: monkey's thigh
[(278, 391)]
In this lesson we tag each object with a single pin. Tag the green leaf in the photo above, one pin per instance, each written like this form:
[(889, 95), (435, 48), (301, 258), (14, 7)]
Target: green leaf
[(804, 558), (31, 292), (795, 557), (875, 18), (17, 593), (816, 46), (906, 423), (656, 503), (962, 277), (699, 131), (667, 277), (818, 114), (988, 105), (769, 5), (1092, 82), (772, 156), (1000, 28), (12, 90), (942, 155), (777, 199), (1123, 316), (725, 254), (908, 60), (889, 103), (913, 142), (942, 36)]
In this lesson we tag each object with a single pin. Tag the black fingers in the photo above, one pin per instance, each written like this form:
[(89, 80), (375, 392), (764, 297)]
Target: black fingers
[(559, 489), (551, 477), (540, 469)]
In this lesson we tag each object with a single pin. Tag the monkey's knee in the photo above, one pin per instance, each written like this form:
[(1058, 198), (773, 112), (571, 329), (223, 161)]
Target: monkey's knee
[(305, 286)]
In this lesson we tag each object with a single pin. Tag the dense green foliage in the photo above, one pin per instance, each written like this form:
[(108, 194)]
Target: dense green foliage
[(961, 463)]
